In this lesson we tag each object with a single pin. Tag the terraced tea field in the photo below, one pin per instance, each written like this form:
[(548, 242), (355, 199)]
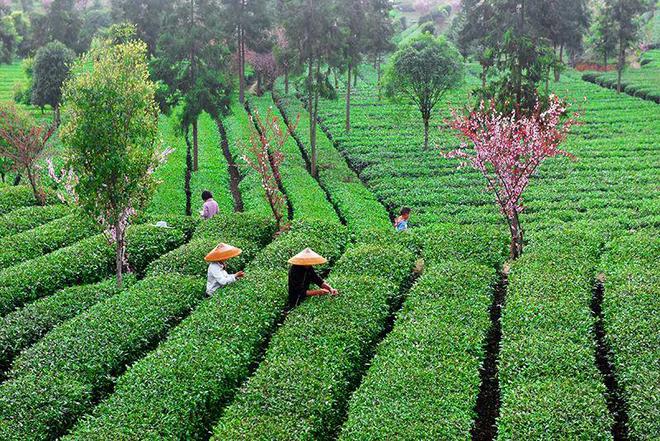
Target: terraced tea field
[(641, 82), (435, 335)]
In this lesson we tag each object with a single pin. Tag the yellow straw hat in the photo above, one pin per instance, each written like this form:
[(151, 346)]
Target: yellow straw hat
[(222, 252), (307, 257)]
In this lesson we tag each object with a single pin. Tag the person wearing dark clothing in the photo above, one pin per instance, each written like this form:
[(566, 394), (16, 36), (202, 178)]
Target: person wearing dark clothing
[(302, 276)]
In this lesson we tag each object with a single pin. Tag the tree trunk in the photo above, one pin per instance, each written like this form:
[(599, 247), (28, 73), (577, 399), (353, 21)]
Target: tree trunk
[(516, 237), (38, 194), (195, 145), (378, 73), (119, 254), (348, 101), (619, 68), (57, 115), (188, 175), (286, 80), (355, 77), (314, 122), (426, 132), (17, 179), (561, 61), (310, 108)]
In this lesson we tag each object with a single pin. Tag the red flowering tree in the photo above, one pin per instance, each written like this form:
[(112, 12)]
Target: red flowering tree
[(264, 155), (508, 149), (22, 144)]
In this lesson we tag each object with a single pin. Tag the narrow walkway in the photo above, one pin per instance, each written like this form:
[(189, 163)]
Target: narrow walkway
[(615, 402), (488, 400)]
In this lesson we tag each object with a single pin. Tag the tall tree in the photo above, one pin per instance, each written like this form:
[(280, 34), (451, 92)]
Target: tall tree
[(353, 21), (312, 25), (62, 23), (602, 36), (146, 15), (248, 20), (563, 23), (9, 38), (421, 72), (378, 34), (110, 131), (192, 61), (517, 55), (51, 68), (625, 14)]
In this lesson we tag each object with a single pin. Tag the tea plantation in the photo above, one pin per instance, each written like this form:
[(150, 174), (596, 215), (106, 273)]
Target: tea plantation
[(437, 334)]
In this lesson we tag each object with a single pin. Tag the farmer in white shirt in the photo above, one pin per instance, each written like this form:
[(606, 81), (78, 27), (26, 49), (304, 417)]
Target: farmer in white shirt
[(217, 274)]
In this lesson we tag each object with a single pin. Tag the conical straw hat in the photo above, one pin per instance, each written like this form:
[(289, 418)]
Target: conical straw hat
[(222, 252), (307, 257)]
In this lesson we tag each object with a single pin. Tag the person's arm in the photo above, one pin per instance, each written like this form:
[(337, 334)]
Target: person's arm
[(205, 211), (325, 287)]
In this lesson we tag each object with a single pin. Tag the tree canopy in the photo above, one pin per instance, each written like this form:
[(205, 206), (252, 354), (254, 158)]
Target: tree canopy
[(421, 72)]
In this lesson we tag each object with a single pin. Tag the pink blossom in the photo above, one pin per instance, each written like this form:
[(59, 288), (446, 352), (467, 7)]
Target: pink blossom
[(508, 149)]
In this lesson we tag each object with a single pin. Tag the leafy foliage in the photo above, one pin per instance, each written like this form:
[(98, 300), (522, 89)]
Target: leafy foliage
[(25, 326), (111, 129), (27, 218), (314, 359), (550, 386), (630, 309), (45, 239), (51, 68), (421, 72)]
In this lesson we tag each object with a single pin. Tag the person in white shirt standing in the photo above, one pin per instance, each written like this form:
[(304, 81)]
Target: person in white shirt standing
[(217, 275)]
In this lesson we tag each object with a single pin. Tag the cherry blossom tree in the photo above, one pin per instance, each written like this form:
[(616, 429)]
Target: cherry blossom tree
[(508, 150), (22, 144), (264, 155)]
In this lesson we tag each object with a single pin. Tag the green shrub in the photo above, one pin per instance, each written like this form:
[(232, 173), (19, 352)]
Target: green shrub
[(45, 239), (480, 243), (27, 218), (88, 261), (631, 320), (442, 324), (20, 196), (59, 379), (311, 365), (550, 386), (246, 231), (25, 326), (175, 391)]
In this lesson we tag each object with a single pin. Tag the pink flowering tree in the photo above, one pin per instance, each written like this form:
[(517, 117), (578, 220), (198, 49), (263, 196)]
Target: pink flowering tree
[(110, 132), (509, 149), (263, 153), (265, 67)]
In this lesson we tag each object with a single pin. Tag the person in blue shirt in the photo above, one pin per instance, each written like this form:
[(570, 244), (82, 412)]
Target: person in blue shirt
[(401, 222)]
